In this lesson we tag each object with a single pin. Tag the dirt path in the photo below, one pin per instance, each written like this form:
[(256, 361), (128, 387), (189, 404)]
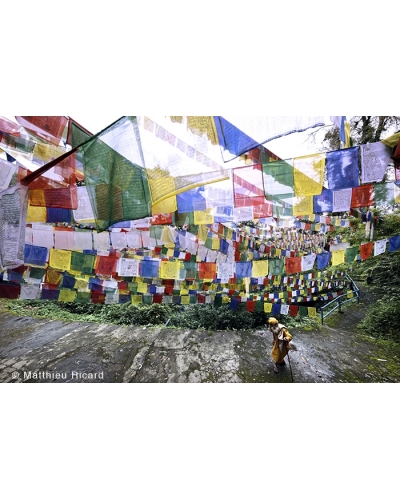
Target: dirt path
[(40, 350)]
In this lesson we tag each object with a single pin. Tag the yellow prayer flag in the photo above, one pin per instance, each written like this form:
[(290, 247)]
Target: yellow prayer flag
[(312, 312), (53, 277), (47, 152), (396, 193), (81, 284), (166, 236), (215, 243), (347, 142), (303, 205), (36, 197), (169, 269), (185, 299), (66, 295), (160, 183), (36, 214), (203, 216), (136, 299), (202, 232), (267, 307), (338, 257), (246, 282), (259, 268), (165, 207), (60, 259), (308, 175), (142, 288), (392, 141)]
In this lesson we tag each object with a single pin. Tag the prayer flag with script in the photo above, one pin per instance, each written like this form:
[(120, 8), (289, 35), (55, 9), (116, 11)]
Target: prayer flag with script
[(375, 158), (13, 209), (114, 175)]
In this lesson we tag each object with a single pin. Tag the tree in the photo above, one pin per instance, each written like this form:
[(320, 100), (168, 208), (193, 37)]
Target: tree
[(363, 130)]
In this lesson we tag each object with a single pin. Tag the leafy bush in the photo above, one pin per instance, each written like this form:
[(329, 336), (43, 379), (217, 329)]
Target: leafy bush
[(382, 320), (194, 316)]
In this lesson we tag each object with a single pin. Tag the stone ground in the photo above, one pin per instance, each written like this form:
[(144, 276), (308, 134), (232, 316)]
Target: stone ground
[(36, 350)]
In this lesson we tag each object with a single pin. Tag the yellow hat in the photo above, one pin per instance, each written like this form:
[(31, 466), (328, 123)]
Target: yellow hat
[(272, 320)]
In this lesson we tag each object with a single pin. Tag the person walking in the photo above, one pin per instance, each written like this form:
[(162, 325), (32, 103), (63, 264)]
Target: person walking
[(281, 342)]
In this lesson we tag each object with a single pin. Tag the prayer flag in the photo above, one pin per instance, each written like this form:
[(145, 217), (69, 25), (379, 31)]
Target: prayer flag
[(342, 168), (375, 158), (366, 250), (362, 196), (308, 174), (50, 128)]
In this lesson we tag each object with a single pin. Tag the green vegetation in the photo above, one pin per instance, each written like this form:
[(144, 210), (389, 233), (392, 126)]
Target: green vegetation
[(195, 316), (383, 316)]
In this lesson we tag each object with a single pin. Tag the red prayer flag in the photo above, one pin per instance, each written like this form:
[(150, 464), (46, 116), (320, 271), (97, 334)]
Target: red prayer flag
[(10, 127), (293, 265), (362, 196), (207, 270), (106, 265), (366, 250), (50, 128)]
